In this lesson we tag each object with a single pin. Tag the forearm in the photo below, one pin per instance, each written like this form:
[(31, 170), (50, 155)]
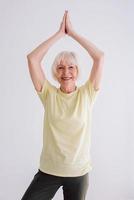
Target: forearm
[(38, 53), (93, 51)]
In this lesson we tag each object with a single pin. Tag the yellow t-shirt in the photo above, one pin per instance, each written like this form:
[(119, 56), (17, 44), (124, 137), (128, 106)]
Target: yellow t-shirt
[(66, 130)]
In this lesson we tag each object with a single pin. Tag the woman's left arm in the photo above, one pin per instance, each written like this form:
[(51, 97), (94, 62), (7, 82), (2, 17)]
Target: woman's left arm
[(96, 54)]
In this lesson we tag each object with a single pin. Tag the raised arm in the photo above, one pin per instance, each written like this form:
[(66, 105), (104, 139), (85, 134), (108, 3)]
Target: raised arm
[(35, 57), (96, 54)]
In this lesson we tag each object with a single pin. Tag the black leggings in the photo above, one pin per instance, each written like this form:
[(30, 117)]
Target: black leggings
[(44, 186)]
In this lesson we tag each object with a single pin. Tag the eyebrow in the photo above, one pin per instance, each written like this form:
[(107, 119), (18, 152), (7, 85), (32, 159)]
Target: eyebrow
[(67, 65)]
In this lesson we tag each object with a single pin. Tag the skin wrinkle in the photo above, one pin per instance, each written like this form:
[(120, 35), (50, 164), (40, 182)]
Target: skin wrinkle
[(67, 70)]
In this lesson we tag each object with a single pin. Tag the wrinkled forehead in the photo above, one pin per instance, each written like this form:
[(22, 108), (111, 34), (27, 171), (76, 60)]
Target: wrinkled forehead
[(67, 62)]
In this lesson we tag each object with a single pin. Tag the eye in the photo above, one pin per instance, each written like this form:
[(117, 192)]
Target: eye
[(71, 67)]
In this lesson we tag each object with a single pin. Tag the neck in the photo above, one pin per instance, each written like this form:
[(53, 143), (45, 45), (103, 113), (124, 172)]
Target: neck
[(68, 89)]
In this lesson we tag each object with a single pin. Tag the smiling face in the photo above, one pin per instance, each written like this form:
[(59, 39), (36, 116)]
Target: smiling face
[(66, 73), (65, 70)]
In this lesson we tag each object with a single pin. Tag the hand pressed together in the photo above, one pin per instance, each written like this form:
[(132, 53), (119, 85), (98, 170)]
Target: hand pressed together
[(66, 26)]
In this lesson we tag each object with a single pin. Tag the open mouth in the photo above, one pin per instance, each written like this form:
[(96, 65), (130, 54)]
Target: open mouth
[(66, 78)]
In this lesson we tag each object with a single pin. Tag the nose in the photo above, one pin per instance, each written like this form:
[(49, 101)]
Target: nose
[(66, 71)]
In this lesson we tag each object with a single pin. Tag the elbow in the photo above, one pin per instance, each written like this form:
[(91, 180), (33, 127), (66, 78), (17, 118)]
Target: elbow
[(33, 58), (31, 61), (102, 54), (100, 57), (29, 56)]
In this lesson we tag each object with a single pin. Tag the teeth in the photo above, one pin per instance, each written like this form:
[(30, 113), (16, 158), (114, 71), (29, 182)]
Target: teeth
[(66, 78)]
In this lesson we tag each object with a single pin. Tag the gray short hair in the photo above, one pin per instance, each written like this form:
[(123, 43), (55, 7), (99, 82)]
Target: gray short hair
[(70, 56)]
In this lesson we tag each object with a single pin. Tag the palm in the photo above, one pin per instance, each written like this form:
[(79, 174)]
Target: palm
[(65, 26), (68, 27), (62, 25)]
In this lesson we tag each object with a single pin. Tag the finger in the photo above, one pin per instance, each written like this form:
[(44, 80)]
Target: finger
[(65, 23), (63, 19), (67, 16)]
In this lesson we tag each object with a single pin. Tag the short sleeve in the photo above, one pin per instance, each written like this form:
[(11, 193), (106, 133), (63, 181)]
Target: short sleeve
[(46, 88), (92, 93)]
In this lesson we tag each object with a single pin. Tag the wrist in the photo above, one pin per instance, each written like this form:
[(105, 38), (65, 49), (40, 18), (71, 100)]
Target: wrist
[(60, 34), (72, 33)]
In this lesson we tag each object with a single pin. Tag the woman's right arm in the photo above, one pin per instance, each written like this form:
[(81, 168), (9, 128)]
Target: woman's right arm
[(34, 61), (35, 57)]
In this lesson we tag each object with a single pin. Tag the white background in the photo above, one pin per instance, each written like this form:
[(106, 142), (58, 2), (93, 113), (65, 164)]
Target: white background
[(109, 25)]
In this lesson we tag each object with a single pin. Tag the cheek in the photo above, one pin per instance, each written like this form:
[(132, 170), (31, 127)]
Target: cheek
[(58, 73)]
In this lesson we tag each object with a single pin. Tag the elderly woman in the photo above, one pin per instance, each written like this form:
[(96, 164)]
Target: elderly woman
[(65, 158)]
